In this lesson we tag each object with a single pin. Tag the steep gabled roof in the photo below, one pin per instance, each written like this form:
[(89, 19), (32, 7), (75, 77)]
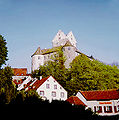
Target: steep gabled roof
[(101, 95), (75, 100), (38, 83), (46, 51), (37, 52)]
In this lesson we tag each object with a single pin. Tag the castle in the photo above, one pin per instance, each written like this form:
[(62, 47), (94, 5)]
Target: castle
[(68, 44)]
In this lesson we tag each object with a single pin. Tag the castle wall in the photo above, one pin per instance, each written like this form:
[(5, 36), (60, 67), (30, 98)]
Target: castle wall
[(70, 53), (39, 58)]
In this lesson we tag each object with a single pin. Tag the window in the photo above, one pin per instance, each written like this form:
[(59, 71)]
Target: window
[(44, 57), (38, 57), (41, 93), (68, 48), (54, 94), (63, 49), (62, 94), (47, 86), (107, 109), (55, 86), (48, 56), (98, 109), (118, 108)]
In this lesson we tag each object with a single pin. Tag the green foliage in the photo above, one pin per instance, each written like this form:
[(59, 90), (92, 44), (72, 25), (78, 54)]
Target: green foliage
[(3, 51), (86, 74), (26, 97), (55, 68), (6, 86)]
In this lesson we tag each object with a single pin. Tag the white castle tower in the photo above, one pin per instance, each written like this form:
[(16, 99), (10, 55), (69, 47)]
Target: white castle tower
[(61, 39), (68, 43)]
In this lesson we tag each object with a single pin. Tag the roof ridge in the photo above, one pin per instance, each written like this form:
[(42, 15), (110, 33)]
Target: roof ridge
[(98, 90)]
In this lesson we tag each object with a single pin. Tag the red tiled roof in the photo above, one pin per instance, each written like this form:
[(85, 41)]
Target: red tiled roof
[(19, 71), (101, 95), (17, 82), (75, 100), (27, 85), (38, 83)]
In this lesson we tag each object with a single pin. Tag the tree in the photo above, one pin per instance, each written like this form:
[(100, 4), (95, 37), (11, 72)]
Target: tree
[(6, 86), (86, 74), (55, 67), (3, 51)]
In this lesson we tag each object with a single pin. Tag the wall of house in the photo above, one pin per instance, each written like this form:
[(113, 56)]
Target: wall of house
[(49, 87), (104, 107), (109, 107)]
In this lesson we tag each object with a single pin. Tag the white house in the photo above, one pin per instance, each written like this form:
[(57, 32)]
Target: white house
[(103, 102), (48, 88)]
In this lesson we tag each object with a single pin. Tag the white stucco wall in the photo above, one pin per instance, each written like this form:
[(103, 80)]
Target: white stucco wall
[(92, 103), (37, 60), (48, 91), (61, 39)]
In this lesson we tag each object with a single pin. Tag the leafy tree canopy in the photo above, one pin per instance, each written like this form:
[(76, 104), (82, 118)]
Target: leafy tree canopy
[(84, 73), (3, 51), (90, 74), (55, 68)]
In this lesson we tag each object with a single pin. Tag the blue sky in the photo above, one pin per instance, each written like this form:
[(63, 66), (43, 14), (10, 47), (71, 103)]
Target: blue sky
[(28, 24)]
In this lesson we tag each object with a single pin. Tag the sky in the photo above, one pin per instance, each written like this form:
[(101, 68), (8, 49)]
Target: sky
[(29, 24)]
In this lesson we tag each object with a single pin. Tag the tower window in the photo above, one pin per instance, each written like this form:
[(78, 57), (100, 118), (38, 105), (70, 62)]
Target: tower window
[(68, 48), (38, 57)]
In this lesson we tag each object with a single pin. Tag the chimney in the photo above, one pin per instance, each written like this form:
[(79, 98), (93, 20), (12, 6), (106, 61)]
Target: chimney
[(40, 77)]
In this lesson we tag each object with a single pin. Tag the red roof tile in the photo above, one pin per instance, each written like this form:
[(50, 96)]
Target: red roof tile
[(75, 100), (38, 83), (19, 71), (101, 95), (17, 82)]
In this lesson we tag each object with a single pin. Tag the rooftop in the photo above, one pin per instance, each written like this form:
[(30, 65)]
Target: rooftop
[(101, 94)]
